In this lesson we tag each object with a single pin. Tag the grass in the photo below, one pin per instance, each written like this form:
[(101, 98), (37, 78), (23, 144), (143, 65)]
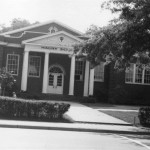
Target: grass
[(129, 116)]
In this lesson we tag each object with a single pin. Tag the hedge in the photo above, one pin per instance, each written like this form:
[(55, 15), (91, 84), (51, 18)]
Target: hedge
[(31, 109), (144, 116), (42, 96)]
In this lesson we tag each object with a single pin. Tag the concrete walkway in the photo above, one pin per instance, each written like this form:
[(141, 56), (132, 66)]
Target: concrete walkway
[(85, 119), (82, 113)]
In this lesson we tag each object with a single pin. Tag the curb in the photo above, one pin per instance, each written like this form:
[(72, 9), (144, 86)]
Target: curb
[(101, 123), (74, 129)]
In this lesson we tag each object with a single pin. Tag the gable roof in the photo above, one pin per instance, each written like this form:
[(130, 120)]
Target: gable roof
[(51, 35), (41, 24)]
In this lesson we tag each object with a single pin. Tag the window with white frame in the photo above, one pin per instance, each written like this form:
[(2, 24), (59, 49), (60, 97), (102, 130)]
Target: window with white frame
[(137, 75), (99, 72), (12, 64), (79, 70), (34, 66)]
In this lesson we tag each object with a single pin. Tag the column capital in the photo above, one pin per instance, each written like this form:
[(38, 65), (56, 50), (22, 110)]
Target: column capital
[(47, 52)]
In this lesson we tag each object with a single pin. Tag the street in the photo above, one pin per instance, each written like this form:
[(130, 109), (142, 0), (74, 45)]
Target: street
[(30, 139)]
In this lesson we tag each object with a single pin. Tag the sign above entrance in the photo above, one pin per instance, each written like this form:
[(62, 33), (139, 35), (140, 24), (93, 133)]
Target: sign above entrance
[(56, 48)]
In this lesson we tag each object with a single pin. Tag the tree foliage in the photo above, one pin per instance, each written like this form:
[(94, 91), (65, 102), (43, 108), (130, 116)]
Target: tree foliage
[(16, 23), (125, 39)]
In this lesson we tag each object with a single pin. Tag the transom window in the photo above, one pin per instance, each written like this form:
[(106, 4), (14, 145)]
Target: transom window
[(55, 69), (99, 72), (34, 66), (79, 69), (137, 75), (12, 63)]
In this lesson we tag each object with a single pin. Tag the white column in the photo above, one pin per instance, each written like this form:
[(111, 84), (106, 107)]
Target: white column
[(91, 82), (25, 71), (86, 79), (45, 73), (72, 72)]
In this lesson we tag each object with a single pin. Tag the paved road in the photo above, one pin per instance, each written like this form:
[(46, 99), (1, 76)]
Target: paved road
[(30, 139), (144, 139)]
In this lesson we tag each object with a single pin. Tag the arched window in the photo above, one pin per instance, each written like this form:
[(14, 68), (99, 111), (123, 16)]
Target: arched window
[(56, 69)]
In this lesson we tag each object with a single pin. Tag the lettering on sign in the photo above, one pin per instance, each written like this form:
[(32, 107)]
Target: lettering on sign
[(48, 47), (55, 48)]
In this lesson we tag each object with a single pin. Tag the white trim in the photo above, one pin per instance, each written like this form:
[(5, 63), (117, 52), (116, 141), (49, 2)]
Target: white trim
[(59, 90), (134, 75), (3, 43), (72, 76), (14, 37), (59, 66), (13, 45), (24, 79), (38, 48), (86, 79), (45, 73), (137, 83), (39, 67), (143, 74), (17, 64), (10, 44), (17, 37), (51, 35), (41, 24), (91, 82), (51, 45)]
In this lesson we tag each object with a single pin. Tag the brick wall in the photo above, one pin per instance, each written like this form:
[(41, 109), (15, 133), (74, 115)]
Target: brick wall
[(34, 84), (13, 50)]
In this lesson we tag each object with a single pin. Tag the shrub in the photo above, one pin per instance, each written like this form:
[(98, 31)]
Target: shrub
[(101, 95), (118, 95), (144, 116), (7, 82), (31, 109)]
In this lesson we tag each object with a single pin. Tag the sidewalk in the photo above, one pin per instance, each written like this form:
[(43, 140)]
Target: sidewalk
[(85, 120), (82, 113)]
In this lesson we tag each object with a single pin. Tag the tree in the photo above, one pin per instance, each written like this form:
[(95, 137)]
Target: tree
[(125, 39), (16, 23), (7, 82)]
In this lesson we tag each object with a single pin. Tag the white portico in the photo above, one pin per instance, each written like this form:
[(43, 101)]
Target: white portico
[(53, 75)]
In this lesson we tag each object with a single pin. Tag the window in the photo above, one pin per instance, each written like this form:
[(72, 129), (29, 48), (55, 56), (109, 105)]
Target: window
[(137, 75), (99, 72), (34, 66), (53, 29), (12, 64), (79, 68)]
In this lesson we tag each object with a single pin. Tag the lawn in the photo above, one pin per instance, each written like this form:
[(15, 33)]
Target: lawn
[(127, 116)]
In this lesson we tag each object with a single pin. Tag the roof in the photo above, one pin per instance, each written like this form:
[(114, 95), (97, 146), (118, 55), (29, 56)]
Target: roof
[(41, 24)]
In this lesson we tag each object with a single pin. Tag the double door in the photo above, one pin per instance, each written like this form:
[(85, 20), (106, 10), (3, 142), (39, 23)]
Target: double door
[(55, 84)]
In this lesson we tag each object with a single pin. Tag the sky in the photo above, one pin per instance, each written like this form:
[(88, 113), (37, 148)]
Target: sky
[(78, 14)]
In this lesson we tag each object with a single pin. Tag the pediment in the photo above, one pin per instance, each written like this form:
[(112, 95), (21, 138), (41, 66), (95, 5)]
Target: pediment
[(57, 39)]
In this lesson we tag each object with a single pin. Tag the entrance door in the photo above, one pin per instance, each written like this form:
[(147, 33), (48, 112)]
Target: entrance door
[(56, 78)]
